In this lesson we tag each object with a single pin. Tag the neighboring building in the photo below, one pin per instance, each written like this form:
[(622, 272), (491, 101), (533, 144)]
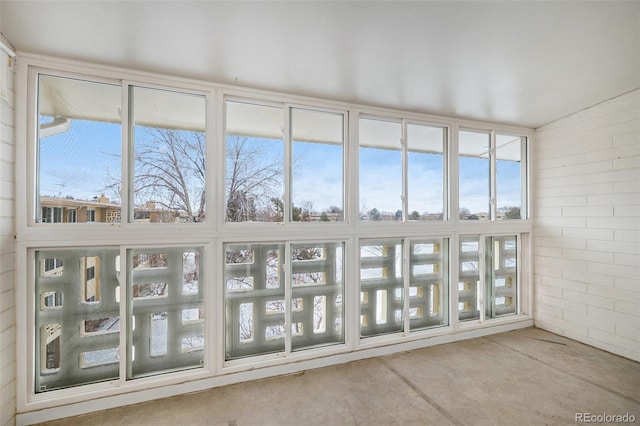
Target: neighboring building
[(150, 212), (69, 210)]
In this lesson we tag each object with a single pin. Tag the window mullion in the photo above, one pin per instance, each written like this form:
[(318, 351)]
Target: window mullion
[(406, 273), (446, 195), (482, 268), (492, 177), (405, 172), (524, 182), (126, 193), (453, 162), (518, 274), (288, 166), (288, 311), (125, 333), (454, 279), (126, 300), (352, 172)]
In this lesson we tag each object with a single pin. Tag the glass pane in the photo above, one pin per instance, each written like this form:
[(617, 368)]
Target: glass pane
[(79, 151), (509, 185), (254, 299), (317, 289), (168, 130), (255, 163), (78, 322), (317, 182), (474, 167), (158, 302), (469, 279), (380, 170), (381, 287), (429, 282), (501, 276), (425, 171)]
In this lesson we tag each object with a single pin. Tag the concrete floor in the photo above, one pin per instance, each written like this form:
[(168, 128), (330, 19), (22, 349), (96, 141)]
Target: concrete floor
[(522, 377)]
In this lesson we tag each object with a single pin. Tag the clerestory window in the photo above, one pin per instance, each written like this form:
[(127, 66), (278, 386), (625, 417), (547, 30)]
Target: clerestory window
[(82, 121), (278, 174), (492, 176), (402, 171)]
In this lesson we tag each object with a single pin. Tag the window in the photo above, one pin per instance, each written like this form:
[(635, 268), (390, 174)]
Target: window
[(160, 337), (491, 176), (381, 287), (469, 291), (169, 156), (256, 297), (51, 214), (501, 276), (429, 283), (380, 170), (304, 253), (316, 294), (259, 152), (389, 302), (426, 172), (488, 280), (160, 340), (402, 170), (255, 163), (317, 158), (81, 121), (511, 177), (61, 340), (78, 123)]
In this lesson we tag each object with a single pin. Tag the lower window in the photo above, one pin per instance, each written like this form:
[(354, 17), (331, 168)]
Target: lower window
[(77, 318), (489, 281), (389, 296), (166, 305), (260, 302)]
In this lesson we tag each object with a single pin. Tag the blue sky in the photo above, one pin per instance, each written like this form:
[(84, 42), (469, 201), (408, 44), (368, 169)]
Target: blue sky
[(79, 162)]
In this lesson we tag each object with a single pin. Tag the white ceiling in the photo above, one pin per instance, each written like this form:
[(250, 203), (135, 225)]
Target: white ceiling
[(525, 63)]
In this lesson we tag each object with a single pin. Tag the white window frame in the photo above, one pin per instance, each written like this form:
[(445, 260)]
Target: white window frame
[(213, 233), (524, 170), (405, 121), (287, 108)]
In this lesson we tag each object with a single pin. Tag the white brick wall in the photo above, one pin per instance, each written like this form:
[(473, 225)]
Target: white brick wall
[(7, 229), (587, 226)]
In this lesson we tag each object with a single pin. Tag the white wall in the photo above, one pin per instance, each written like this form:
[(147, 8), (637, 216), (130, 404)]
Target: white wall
[(587, 227), (7, 230)]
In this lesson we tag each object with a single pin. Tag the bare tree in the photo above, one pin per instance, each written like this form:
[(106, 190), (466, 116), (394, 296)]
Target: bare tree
[(170, 170), (253, 182)]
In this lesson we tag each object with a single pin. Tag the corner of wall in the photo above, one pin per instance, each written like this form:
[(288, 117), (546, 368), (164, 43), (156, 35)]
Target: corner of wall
[(587, 226), (7, 231)]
